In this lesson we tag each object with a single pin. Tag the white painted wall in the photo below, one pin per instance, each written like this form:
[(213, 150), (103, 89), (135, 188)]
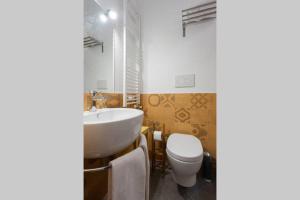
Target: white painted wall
[(167, 54)]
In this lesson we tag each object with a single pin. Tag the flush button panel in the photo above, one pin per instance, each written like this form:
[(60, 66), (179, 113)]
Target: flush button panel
[(185, 81)]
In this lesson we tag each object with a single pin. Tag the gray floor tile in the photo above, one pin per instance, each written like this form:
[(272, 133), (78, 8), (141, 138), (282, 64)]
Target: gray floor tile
[(162, 187)]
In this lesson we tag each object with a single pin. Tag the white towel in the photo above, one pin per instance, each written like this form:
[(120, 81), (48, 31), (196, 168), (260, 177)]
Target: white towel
[(127, 177), (144, 145)]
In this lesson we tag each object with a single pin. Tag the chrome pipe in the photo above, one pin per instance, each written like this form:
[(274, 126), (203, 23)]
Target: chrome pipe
[(97, 169)]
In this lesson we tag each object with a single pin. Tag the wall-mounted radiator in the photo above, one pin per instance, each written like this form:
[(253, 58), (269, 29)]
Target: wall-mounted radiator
[(132, 55)]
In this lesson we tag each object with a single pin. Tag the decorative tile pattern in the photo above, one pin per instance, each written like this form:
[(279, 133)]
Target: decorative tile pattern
[(154, 100), (182, 115), (199, 101), (189, 113), (199, 131), (168, 100)]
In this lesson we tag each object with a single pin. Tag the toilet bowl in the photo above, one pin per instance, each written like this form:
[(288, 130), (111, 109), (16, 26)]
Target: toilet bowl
[(185, 155)]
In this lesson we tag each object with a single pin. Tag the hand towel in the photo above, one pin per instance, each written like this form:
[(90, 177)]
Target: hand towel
[(127, 177), (144, 145)]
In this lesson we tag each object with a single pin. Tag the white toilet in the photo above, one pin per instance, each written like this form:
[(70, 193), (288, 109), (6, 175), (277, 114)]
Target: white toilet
[(185, 155)]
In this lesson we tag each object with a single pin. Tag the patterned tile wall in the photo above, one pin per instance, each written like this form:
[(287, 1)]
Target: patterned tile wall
[(190, 113)]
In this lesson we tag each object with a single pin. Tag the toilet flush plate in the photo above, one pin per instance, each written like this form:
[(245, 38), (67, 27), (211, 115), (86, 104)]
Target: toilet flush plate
[(187, 80)]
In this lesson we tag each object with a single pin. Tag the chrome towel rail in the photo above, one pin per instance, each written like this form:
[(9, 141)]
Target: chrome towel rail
[(197, 14), (97, 169)]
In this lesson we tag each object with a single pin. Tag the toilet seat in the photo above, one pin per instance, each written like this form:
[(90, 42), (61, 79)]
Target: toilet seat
[(186, 148)]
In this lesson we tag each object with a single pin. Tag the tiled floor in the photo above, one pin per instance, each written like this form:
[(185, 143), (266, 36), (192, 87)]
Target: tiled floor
[(164, 188)]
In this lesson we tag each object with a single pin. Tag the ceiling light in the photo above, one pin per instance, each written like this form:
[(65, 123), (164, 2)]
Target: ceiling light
[(112, 14), (103, 18)]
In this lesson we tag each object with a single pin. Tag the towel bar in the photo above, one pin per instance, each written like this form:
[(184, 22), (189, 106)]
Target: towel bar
[(97, 169), (200, 13)]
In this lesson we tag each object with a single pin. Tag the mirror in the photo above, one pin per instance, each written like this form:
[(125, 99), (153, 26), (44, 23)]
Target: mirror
[(99, 72)]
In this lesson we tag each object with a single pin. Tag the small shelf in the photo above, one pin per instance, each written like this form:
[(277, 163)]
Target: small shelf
[(91, 42), (198, 14)]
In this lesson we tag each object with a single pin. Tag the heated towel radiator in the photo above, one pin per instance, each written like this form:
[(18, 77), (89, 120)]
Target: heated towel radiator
[(132, 55)]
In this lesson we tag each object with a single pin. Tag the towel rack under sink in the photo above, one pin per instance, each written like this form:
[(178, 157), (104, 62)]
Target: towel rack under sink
[(98, 169)]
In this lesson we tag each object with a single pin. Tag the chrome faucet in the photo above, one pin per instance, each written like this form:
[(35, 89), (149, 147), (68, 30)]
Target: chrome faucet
[(96, 95)]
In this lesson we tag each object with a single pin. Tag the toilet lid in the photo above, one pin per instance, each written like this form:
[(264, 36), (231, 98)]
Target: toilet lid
[(184, 147)]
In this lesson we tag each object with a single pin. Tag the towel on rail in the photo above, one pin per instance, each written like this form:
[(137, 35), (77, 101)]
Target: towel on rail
[(127, 177), (144, 145)]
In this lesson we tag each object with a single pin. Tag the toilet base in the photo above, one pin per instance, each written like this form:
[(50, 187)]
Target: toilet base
[(185, 181)]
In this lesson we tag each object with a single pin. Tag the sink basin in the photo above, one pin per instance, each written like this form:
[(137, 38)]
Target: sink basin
[(110, 130)]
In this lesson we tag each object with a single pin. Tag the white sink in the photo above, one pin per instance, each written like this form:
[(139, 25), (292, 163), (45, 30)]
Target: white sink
[(110, 130)]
